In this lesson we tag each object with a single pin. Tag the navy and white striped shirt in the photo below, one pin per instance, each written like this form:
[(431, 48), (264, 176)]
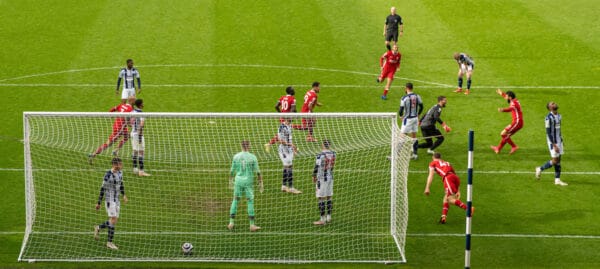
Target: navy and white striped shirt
[(324, 164), (111, 187), (285, 134), (137, 123), (128, 75), (466, 60), (553, 133), (411, 105)]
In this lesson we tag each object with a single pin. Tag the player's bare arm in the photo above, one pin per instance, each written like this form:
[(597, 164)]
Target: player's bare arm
[(429, 180)]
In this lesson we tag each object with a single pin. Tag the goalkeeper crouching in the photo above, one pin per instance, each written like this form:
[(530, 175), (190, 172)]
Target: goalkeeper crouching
[(241, 179)]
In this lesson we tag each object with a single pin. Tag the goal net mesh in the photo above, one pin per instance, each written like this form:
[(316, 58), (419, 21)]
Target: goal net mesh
[(187, 197)]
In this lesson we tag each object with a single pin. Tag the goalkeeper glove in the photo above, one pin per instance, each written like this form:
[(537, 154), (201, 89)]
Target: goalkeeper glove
[(446, 127)]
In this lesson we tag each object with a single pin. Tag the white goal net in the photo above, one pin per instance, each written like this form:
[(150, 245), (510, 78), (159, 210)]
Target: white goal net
[(187, 197)]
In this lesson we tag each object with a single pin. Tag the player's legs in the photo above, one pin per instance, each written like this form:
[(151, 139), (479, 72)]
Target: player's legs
[(238, 189), (126, 93), (469, 74), (461, 72), (388, 84), (439, 139), (310, 125)]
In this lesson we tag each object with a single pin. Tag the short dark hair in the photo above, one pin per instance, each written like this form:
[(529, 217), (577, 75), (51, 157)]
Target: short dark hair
[(245, 144), (316, 84), (441, 97), (139, 102), (511, 94), (437, 155), (326, 143), (409, 85), (290, 90), (129, 60), (116, 161)]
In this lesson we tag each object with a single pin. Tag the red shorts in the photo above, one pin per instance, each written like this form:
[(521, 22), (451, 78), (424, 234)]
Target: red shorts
[(308, 122), (388, 72), (513, 127), (119, 130), (451, 184)]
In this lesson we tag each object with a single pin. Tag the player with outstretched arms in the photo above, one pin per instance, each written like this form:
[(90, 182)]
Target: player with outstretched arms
[(310, 101), (286, 151), (241, 179), (517, 121), (285, 104), (465, 67), (451, 184), (119, 130), (323, 179), (389, 63), (112, 188), (555, 144), (138, 142), (128, 74)]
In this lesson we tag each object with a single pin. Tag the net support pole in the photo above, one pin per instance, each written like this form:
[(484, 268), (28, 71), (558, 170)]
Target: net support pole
[(469, 201)]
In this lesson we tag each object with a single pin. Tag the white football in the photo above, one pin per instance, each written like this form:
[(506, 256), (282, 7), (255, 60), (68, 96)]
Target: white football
[(186, 248)]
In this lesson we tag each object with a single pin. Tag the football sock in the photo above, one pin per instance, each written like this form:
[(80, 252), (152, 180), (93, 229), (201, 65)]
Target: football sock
[(468, 84), (121, 143), (141, 161), (547, 165), (251, 208), (287, 177), (104, 225), (460, 81), (329, 207), (251, 218), (460, 204), (101, 149), (385, 91), (322, 208), (437, 143), (134, 159), (111, 232), (557, 168), (502, 142), (415, 146), (231, 219), (510, 142), (445, 209), (233, 208)]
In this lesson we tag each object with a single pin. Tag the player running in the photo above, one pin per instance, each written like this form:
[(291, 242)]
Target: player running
[(428, 128), (310, 101), (514, 126), (285, 104), (323, 179), (555, 144), (128, 74), (451, 184), (389, 63), (112, 186), (465, 67), (119, 130)]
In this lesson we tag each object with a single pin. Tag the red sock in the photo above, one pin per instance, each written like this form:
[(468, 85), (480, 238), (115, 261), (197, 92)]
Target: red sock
[(445, 209), (385, 92), (121, 143), (503, 141), (101, 149), (510, 142), (460, 204)]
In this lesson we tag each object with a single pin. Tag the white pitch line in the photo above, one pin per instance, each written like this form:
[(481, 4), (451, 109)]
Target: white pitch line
[(551, 236), (435, 86)]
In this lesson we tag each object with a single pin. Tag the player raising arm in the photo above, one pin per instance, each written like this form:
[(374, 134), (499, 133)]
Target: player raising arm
[(112, 186), (451, 184), (514, 126)]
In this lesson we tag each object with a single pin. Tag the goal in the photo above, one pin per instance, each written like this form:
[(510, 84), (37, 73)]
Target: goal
[(187, 199)]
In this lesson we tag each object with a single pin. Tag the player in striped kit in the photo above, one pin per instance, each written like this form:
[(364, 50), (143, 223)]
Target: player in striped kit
[(451, 184), (285, 104), (138, 143), (465, 67), (555, 144), (514, 126), (411, 107), (323, 178), (112, 186), (128, 74), (287, 150)]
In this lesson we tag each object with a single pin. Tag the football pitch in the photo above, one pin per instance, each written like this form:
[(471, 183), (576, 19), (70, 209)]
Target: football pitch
[(238, 56)]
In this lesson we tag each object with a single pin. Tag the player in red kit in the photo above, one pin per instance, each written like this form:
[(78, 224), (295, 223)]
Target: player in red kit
[(285, 104), (514, 126), (310, 101), (451, 184), (119, 129), (389, 62)]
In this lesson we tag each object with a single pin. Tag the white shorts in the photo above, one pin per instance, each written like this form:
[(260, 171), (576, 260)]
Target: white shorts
[(286, 155), (112, 209), (466, 68), (127, 92), (135, 142), (409, 125), (324, 188), (553, 153)]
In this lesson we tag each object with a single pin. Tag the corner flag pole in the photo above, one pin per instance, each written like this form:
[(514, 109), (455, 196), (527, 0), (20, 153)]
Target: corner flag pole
[(469, 201)]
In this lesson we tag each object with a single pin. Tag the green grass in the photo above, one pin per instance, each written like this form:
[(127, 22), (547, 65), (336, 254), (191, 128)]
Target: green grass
[(538, 48)]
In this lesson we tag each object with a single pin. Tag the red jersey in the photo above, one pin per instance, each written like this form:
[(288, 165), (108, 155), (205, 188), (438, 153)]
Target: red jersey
[(390, 60), (443, 168), (286, 103), (517, 114), (310, 100), (121, 108)]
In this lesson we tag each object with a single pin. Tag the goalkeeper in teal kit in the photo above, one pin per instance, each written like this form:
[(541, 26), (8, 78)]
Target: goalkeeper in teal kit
[(243, 167)]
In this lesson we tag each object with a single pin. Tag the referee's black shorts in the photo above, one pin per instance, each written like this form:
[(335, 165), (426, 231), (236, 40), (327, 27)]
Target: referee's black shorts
[(391, 36)]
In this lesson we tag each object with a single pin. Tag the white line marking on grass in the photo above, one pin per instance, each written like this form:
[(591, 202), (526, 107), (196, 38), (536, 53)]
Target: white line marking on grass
[(552, 236)]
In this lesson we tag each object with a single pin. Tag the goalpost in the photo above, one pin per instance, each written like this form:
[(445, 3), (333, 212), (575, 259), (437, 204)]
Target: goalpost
[(187, 198)]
